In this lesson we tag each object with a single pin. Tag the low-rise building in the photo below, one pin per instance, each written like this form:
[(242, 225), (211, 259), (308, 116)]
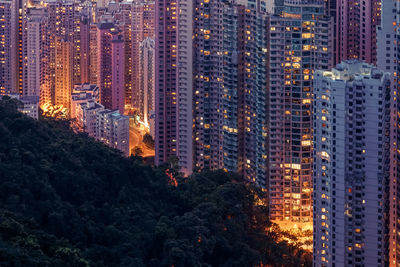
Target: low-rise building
[(108, 126), (112, 128), (28, 105), (82, 94), (86, 114)]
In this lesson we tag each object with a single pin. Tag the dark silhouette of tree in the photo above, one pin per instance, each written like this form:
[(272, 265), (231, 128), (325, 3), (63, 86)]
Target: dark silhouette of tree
[(68, 200), (137, 151), (148, 141)]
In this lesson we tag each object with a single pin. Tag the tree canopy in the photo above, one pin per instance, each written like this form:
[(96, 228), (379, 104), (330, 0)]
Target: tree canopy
[(68, 200)]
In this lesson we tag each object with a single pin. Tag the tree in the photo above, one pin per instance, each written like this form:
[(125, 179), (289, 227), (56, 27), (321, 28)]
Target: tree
[(137, 151), (148, 141), (69, 200)]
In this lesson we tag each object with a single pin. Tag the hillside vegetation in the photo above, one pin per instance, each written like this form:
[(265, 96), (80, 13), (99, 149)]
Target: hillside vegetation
[(68, 200)]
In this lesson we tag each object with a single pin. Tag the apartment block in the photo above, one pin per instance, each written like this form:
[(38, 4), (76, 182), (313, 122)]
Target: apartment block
[(388, 60), (351, 164), (299, 42), (112, 129), (6, 85), (146, 82)]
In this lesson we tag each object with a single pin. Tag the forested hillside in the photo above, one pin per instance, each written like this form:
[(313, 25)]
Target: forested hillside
[(68, 200)]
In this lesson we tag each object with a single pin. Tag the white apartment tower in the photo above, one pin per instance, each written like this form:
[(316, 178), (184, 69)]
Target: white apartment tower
[(36, 66), (146, 79), (388, 55), (112, 129), (351, 137)]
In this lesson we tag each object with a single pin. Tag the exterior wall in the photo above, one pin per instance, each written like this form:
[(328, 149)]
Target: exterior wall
[(104, 63), (350, 104), (184, 94), (215, 130), (118, 72), (84, 36), (6, 85), (64, 76), (36, 67), (174, 83), (81, 33), (113, 130), (146, 82), (197, 86), (61, 24), (93, 57), (52, 36), (300, 41), (121, 133), (388, 56), (105, 125), (126, 8), (16, 45), (252, 25), (82, 94), (143, 26), (86, 115), (30, 106), (356, 29), (166, 80)]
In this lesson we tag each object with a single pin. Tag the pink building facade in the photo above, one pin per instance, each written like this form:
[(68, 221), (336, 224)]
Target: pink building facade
[(110, 66), (143, 15), (356, 23), (104, 73), (174, 83), (84, 49), (118, 75)]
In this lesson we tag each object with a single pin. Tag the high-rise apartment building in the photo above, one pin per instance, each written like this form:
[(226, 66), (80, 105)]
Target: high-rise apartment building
[(146, 82), (351, 164), (118, 72), (6, 85), (81, 46), (215, 59), (126, 8), (63, 72), (93, 54), (61, 23), (252, 67), (65, 14), (210, 86), (143, 19), (16, 44), (299, 42), (356, 22), (388, 60), (110, 65), (174, 82), (36, 60), (51, 7)]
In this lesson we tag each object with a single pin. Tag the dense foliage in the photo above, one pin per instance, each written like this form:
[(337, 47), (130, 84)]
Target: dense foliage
[(67, 200), (148, 140)]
